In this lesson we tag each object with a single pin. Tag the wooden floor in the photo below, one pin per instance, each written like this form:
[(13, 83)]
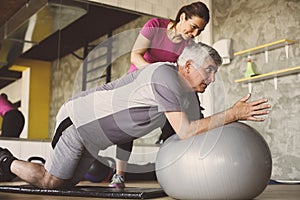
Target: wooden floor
[(272, 192)]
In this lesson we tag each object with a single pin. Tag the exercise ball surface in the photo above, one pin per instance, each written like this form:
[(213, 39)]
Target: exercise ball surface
[(230, 162)]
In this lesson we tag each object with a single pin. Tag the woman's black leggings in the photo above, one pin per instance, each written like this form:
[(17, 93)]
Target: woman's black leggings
[(124, 150)]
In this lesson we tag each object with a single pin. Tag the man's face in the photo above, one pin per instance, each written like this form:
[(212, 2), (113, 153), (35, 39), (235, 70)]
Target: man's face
[(201, 78)]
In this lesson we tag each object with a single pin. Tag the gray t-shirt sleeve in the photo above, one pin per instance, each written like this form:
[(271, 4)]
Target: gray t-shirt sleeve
[(167, 89)]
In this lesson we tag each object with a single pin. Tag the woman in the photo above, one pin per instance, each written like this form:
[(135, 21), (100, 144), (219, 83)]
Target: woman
[(12, 119), (161, 40)]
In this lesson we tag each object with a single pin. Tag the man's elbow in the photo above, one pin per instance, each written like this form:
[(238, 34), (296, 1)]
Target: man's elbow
[(187, 131), (183, 136), (132, 59)]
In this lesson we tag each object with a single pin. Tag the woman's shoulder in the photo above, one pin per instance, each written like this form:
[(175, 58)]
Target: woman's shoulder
[(158, 22)]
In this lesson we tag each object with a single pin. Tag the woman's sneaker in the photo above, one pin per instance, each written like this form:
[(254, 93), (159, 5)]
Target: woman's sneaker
[(117, 181)]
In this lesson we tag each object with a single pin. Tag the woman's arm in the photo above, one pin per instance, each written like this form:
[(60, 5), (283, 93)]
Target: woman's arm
[(141, 45)]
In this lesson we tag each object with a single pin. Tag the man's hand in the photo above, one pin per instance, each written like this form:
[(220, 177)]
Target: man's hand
[(243, 110)]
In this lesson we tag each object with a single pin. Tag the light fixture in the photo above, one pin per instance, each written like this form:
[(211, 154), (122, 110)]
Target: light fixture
[(224, 48)]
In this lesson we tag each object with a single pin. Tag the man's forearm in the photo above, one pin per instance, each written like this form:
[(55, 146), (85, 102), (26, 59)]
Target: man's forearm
[(205, 124)]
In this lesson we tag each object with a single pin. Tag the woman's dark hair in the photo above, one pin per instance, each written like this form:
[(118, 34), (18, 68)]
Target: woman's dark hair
[(4, 96), (194, 9)]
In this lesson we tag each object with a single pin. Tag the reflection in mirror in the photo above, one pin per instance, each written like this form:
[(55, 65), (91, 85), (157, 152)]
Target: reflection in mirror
[(12, 119), (28, 27), (53, 53)]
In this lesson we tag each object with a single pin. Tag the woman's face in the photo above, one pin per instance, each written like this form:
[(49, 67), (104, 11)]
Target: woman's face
[(191, 27)]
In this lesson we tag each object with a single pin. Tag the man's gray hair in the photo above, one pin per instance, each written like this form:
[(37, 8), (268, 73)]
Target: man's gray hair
[(198, 53)]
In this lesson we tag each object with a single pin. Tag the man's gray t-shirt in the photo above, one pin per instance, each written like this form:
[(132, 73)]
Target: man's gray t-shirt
[(130, 107)]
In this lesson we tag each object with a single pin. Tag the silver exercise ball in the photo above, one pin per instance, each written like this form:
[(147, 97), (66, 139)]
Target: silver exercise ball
[(231, 162)]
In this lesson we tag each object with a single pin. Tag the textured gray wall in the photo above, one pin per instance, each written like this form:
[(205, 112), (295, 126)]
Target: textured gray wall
[(250, 23)]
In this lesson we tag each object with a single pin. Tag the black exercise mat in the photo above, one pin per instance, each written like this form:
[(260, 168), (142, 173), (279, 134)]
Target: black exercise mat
[(90, 191), (287, 182)]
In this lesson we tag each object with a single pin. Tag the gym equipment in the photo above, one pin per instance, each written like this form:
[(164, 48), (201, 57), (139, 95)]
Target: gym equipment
[(36, 159), (230, 162), (89, 191), (101, 171), (284, 182)]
